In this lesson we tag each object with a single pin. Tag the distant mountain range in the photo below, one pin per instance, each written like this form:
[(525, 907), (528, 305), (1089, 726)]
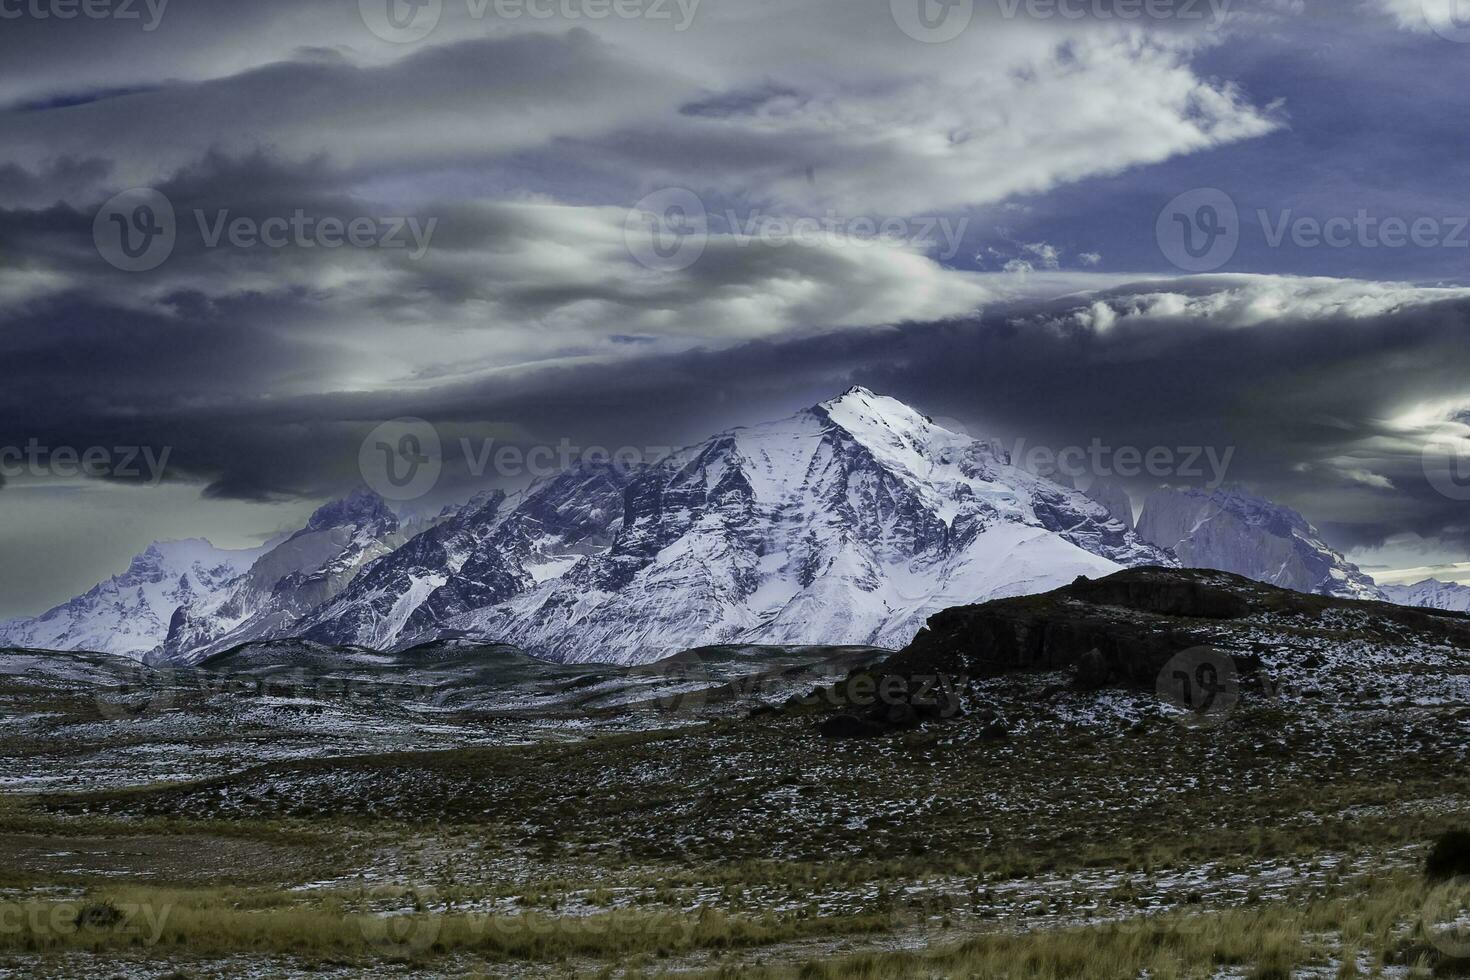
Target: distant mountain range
[(129, 614), (1233, 531), (851, 522), (1431, 594), (302, 572)]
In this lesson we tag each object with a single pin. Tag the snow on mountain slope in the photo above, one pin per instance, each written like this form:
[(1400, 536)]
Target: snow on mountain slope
[(494, 548), (850, 523), (293, 578), (1430, 594), (128, 615), (1233, 531)]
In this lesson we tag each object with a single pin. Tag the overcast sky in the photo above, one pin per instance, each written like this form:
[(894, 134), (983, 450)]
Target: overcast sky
[(240, 237)]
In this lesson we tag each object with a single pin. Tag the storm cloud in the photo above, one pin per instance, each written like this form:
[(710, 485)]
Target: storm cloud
[(633, 230)]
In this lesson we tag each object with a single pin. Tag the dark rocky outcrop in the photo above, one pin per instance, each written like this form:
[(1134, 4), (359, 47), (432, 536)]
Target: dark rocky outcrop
[(1124, 628)]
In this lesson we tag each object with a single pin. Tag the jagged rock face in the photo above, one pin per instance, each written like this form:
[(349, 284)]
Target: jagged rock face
[(1430, 594), (1236, 532), (849, 523), (129, 614), (493, 549), (295, 577), (1112, 495)]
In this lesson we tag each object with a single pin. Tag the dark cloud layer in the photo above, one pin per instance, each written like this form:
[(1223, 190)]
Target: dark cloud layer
[(533, 315), (1307, 405)]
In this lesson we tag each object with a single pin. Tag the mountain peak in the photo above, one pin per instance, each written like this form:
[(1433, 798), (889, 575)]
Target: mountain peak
[(855, 395), (361, 508), (861, 408)]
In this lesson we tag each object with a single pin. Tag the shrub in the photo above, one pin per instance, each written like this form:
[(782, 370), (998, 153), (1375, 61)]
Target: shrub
[(1450, 856)]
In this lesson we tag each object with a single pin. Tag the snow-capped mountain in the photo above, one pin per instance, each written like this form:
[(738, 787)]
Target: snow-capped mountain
[(1233, 531), (296, 576), (850, 522), (128, 615), (496, 547), (1430, 594)]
